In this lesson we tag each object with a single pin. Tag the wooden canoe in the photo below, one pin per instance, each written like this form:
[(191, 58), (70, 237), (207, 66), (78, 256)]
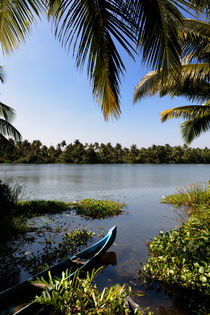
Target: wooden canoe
[(12, 300)]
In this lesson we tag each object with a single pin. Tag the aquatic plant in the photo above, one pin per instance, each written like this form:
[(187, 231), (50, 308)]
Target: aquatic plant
[(80, 296), (98, 209), (54, 251), (192, 197), (181, 256)]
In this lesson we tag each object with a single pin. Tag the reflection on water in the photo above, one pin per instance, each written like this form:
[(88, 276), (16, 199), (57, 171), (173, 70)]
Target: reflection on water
[(141, 188)]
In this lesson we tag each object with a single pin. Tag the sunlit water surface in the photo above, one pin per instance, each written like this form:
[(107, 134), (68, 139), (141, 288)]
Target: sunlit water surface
[(141, 187)]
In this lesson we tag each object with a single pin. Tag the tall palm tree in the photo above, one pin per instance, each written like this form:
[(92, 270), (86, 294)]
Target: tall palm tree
[(191, 81), (6, 116)]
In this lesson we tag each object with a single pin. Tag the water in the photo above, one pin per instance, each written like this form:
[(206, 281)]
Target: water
[(141, 187)]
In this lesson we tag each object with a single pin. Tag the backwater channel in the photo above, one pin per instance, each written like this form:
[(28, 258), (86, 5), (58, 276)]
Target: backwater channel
[(141, 188)]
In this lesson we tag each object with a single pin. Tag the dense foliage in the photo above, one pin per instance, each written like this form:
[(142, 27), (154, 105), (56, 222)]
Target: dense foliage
[(80, 296), (35, 152), (99, 208)]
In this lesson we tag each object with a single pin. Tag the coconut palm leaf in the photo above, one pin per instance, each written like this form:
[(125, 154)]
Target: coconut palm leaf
[(195, 40), (186, 112), (158, 22), (192, 81), (2, 74), (91, 25), (191, 129), (16, 18), (6, 112), (198, 119), (8, 130)]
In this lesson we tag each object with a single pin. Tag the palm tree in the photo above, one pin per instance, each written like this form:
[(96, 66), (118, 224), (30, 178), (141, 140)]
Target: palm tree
[(191, 81), (96, 28), (6, 116)]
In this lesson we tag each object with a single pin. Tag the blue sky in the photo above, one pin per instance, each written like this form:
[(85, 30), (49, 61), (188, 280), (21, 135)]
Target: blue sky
[(53, 100)]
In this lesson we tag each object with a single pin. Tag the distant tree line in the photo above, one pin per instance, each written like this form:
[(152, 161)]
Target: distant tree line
[(79, 153)]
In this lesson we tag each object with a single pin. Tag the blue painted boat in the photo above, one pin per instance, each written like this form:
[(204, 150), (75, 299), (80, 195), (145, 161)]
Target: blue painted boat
[(17, 299)]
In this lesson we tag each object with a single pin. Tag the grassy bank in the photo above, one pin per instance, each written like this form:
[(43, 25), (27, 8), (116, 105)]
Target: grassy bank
[(180, 258), (192, 197)]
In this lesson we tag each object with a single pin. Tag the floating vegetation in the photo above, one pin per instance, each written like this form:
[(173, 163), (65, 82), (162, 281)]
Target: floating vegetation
[(180, 258), (98, 209), (54, 252)]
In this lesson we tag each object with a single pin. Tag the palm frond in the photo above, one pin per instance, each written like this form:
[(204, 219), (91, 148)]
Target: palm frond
[(200, 6), (90, 27), (16, 18), (7, 112), (186, 112), (158, 22), (191, 129), (2, 74), (192, 81), (195, 38), (8, 130)]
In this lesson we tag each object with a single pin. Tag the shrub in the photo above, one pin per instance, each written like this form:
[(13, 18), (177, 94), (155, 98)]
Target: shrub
[(6, 198), (10, 192), (97, 209)]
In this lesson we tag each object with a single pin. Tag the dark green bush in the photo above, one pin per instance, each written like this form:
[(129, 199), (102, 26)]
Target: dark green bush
[(7, 200)]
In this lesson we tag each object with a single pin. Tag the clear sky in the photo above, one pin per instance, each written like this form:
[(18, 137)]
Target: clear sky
[(53, 100)]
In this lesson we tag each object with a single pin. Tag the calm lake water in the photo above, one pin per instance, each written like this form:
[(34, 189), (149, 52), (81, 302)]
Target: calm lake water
[(141, 187)]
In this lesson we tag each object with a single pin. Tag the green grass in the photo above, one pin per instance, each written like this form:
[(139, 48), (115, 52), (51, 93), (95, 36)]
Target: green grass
[(98, 209), (191, 197)]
